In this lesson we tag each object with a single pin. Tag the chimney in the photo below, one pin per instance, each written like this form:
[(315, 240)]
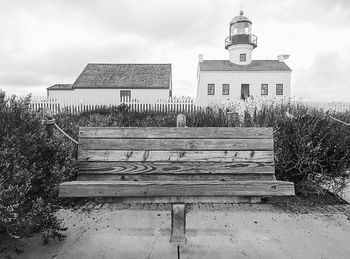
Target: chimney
[(200, 58)]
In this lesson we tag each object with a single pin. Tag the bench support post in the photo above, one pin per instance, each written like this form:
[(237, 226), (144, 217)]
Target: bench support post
[(178, 223)]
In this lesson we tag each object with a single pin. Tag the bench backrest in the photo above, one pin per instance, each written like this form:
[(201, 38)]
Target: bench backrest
[(144, 154)]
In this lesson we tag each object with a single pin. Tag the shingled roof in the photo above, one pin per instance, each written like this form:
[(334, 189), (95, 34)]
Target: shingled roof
[(142, 76), (256, 65), (60, 87)]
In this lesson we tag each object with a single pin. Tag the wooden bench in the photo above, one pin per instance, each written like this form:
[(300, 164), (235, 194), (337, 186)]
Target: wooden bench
[(176, 165)]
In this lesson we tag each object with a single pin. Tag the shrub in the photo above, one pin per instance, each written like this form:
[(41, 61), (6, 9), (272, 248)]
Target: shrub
[(31, 167), (312, 151)]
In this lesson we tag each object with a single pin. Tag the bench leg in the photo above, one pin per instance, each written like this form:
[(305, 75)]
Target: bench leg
[(178, 223)]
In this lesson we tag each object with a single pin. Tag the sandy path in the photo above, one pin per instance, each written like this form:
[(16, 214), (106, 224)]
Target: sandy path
[(261, 232)]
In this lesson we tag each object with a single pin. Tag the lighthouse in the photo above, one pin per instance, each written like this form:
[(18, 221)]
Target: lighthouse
[(240, 76), (241, 42)]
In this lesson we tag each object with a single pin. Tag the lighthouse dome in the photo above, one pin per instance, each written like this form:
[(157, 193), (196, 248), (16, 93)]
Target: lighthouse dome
[(240, 18)]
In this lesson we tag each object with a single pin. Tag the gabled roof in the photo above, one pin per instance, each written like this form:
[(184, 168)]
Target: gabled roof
[(256, 65), (142, 76), (60, 87)]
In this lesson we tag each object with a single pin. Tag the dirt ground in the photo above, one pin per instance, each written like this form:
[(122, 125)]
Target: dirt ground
[(292, 227)]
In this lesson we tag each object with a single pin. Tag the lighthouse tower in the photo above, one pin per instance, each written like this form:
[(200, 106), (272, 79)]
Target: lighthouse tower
[(241, 41)]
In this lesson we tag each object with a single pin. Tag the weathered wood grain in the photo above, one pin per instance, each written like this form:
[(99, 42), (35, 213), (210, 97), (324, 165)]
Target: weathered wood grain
[(192, 133), (171, 188), (175, 156), (177, 144), (129, 168), (186, 199), (175, 177)]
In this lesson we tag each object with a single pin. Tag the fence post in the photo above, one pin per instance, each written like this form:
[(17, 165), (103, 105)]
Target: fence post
[(48, 122), (181, 121), (178, 212)]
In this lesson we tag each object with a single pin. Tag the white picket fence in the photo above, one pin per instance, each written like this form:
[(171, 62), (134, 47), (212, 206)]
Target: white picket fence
[(184, 104)]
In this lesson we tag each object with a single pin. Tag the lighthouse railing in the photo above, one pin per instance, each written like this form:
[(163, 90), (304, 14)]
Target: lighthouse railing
[(241, 39)]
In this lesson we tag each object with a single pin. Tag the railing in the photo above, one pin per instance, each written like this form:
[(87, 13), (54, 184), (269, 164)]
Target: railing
[(241, 39)]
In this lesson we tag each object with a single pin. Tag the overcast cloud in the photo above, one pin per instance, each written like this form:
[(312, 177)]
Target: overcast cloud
[(46, 42)]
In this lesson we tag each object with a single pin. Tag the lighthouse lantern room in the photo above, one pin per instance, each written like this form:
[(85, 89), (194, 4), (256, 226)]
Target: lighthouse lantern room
[(241, 41)]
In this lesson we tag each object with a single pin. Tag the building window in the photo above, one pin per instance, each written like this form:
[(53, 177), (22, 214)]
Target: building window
[(264, 89), (243, 57), (279, 89), (211, 89), (225, 89), (125, 95)]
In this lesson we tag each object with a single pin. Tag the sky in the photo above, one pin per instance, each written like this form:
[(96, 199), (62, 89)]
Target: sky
[(44, 42)]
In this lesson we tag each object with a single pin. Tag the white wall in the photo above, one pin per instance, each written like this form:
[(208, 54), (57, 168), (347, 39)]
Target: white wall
[(236, 50), (106, 96), (235, 79)]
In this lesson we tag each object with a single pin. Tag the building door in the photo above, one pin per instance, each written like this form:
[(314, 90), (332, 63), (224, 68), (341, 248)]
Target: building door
[(125, 95), (244, 91)]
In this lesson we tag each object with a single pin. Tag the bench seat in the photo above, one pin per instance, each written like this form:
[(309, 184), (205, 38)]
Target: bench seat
[(175, 188)]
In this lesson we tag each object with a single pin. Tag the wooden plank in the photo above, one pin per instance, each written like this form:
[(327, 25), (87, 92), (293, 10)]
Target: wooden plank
[(176, 144), (178, 223), (172, 132), (151, 168), (187, 199), (175, 156), (176, 177), (172, 188)]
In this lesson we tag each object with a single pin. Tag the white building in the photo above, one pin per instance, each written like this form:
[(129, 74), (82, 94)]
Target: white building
[(241, 76), (109, 83)]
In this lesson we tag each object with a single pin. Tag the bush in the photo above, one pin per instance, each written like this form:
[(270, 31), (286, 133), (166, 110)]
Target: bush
[(31, 167), (313, 152)]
